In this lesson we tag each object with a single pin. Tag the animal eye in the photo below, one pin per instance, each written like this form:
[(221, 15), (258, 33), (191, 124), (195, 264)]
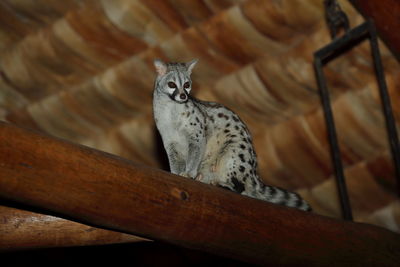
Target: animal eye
[(186, 85), (171, 85)]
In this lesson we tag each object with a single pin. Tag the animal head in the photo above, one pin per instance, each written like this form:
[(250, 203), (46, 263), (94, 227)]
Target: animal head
[(173, 79)]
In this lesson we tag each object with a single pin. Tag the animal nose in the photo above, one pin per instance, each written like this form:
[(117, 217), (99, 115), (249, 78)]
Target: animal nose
[(182, 96)]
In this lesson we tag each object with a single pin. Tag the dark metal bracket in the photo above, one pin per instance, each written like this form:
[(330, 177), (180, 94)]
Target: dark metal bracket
[(323, 56)]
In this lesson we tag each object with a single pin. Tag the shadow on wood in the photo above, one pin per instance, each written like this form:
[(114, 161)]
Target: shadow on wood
[(107, 191)]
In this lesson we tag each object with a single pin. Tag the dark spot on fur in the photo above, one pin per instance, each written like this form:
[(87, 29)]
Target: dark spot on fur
[(236, 128), (226, 117), (299, 202), (237, 185), (241, 156), (287, 195), (242, 146), (197, 119), (235, 118), (227, 125), (272, 191), (228, 142), (226, 131), (241, 168), (233, 136), (220, 115), (253, 181)]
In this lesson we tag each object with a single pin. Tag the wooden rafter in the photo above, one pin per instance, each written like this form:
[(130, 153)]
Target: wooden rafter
[(385, 14), (108, 191), (21, 229)]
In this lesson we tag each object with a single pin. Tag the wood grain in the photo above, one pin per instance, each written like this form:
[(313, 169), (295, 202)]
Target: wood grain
[(108, 191), (20, 229)]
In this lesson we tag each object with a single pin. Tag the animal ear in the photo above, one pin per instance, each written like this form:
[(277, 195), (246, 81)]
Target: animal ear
[(190, 65), (161, 67)]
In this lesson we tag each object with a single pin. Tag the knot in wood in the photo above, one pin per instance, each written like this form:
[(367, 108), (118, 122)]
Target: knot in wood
[(180, 194)]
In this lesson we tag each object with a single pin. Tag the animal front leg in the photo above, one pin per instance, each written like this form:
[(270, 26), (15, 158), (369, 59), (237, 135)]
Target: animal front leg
[(177, 163), (193, 160)]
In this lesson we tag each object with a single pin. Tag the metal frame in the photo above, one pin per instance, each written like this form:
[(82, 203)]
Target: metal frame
[(323, 56)]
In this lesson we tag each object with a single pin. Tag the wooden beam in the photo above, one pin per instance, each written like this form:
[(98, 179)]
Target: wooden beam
[(20, 229), (386, 15), (108, 191)]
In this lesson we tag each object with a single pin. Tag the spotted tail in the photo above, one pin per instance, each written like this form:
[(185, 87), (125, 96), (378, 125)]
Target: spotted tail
[(279, 196)]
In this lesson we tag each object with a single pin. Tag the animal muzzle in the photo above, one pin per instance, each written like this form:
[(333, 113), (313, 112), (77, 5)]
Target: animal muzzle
[(180, 96)]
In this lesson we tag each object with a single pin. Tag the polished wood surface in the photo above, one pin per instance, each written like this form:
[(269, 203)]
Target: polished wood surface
[(20, 229), (104, 190)]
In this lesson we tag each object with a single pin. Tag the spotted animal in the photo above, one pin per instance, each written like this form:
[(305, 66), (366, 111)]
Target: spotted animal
[(206, 141)]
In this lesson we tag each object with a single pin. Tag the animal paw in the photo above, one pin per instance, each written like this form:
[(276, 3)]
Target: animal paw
[(199, 177), (185, 174)]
